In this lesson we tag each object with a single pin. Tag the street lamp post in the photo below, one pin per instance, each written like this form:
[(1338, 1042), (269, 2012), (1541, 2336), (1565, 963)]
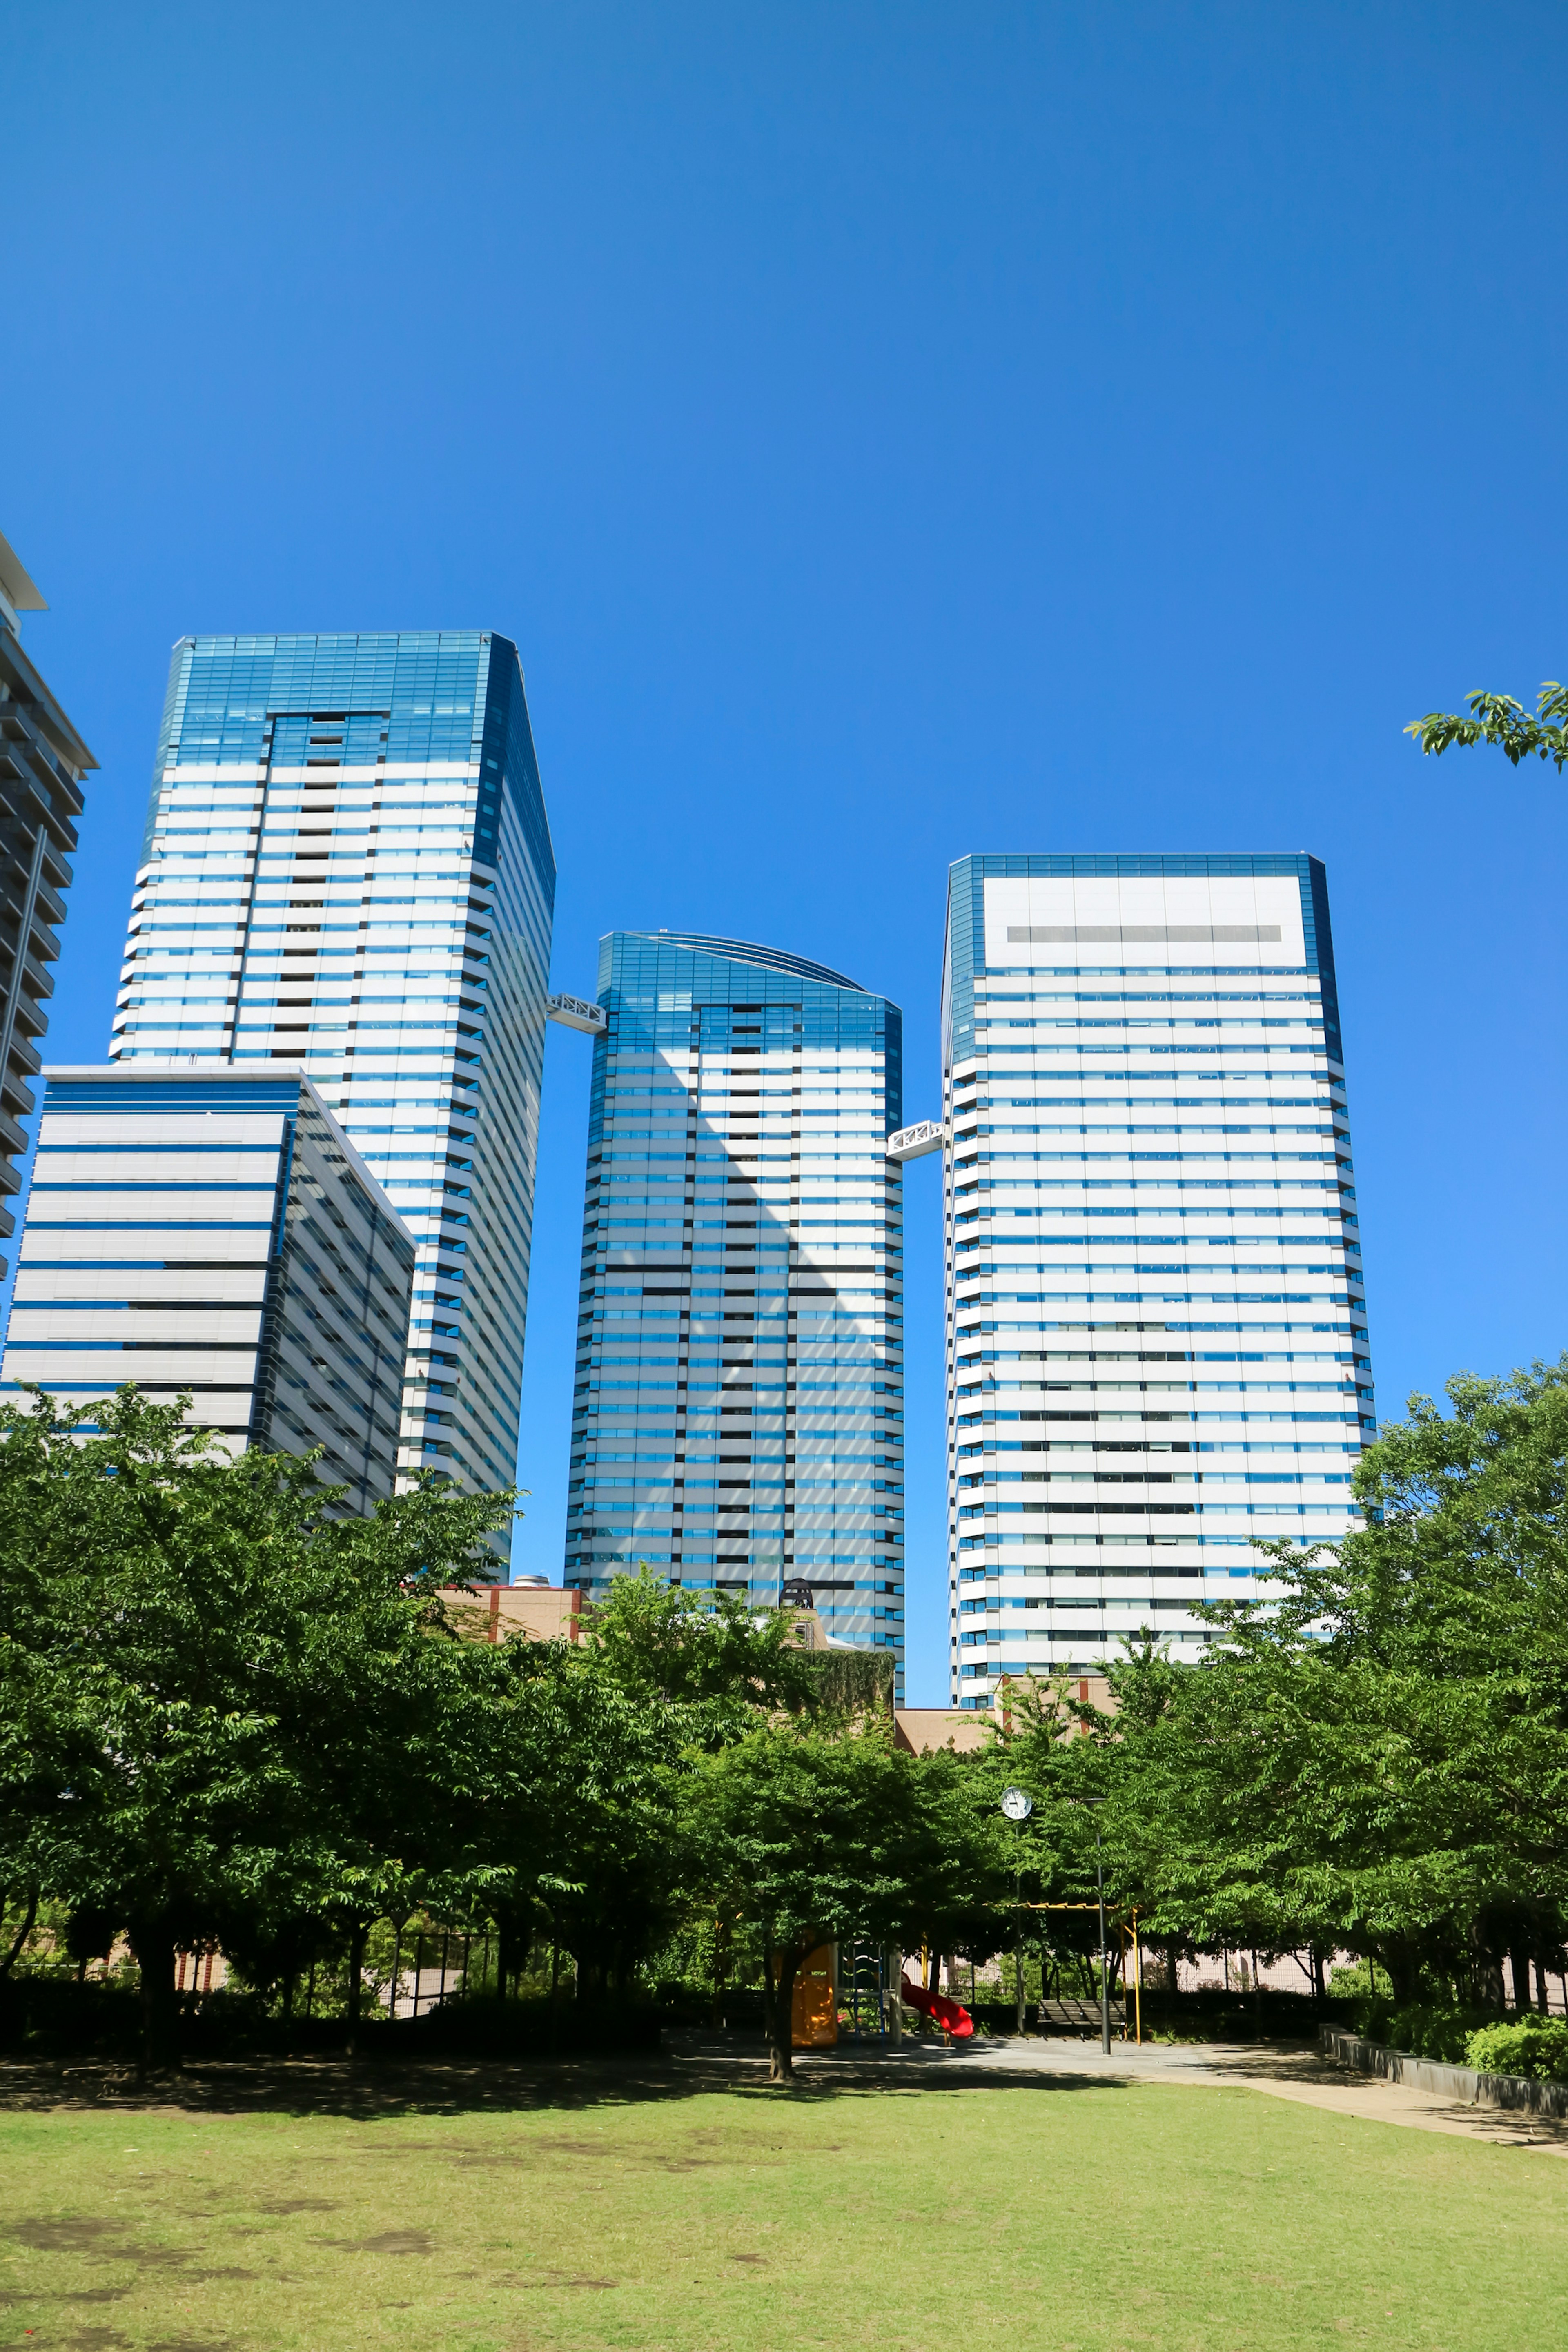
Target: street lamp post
[(1093, 1804), (1104, 1969), (1018, 1805)]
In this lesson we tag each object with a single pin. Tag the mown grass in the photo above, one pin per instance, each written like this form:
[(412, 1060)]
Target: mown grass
[(1066, 2215)]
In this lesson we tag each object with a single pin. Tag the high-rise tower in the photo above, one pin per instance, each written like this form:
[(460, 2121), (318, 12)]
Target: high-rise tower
[(42, 762), (1157, 1336), (347, 866), (211, 1232), (739, 1410)]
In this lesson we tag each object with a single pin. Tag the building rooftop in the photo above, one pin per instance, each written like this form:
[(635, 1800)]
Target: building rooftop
[(747, 952), (19, 591)]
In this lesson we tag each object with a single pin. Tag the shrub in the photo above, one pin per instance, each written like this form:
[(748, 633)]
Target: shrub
[(1537, 2048), (1422, 2029)]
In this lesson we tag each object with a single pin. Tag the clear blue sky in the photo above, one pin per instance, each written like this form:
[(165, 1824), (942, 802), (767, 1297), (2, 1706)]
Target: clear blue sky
[(888, 432)]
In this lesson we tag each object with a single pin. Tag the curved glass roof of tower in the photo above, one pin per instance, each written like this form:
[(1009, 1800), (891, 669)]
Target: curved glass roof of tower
[(738, 1420), (348, 864)]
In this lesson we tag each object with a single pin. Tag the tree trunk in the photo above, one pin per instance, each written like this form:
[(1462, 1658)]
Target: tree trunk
[(1519, 1962), (29, 1917), (1398, 1960), (780, 2015), (721, 1953), (357, 1935), (894, 1981), (509, 1956), (767, 1989), (1542, 2001), (153, 1942)]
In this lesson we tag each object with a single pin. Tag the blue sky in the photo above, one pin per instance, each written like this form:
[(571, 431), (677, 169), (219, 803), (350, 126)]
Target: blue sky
[(888, 432)]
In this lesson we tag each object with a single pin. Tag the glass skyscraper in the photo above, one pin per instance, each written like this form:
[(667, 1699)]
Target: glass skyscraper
[(347, 866), (738, 1422), (1156, 1317)]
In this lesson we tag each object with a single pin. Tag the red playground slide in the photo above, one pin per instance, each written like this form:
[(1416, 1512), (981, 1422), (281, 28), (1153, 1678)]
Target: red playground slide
[(947, 2013)]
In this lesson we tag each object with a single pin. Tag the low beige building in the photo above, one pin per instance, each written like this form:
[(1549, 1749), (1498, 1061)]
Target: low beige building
[(553, 1612), (498, 1613), (920, 1730)]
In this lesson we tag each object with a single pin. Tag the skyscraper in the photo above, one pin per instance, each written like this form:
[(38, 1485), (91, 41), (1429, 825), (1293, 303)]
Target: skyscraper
[(42, 762), (212, 1230), (1157, 1335), (347, 865), (739, 1413)]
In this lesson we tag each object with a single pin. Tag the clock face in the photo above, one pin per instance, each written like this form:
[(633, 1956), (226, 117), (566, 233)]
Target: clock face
[(1016, 1805)]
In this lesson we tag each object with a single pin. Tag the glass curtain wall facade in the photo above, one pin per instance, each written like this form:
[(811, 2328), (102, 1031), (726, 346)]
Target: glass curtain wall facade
[(738, 1420), (347, 865), (1156, 1317)]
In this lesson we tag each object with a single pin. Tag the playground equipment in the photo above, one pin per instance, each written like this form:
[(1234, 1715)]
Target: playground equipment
[(1126, 1926), (949, 2014), (860, 1990), (814, 2013)]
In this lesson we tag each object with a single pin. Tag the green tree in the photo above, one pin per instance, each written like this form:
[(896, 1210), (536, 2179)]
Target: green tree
[(142, 1671), (662, 1677), (403, 1728), (1377, 1753), (811, 1834), (1499, 719), (1067, 1756), (220, 1709), (613, 1863), (718, 1657)]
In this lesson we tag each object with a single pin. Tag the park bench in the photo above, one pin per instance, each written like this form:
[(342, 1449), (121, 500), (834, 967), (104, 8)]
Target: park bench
[(1081, 2018)]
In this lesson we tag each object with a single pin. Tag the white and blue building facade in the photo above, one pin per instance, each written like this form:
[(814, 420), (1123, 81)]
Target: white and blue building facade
[(212, 1232), (1156, 1312), (738, 1420), (44, 764), (348, 865)]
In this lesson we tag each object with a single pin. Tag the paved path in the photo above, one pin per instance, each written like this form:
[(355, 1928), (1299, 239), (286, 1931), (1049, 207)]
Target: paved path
[(1299, 2072)]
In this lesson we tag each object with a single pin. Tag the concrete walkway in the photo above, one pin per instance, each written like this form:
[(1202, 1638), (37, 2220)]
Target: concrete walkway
[(1281, 2070)]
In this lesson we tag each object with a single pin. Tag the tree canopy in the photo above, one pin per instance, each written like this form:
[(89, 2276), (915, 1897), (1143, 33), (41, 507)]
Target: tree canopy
[(1375, 1755), (230, 1717), (814, 1833)]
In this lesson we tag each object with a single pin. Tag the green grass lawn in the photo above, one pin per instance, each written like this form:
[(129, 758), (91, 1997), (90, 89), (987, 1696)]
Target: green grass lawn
[(944, 2217)]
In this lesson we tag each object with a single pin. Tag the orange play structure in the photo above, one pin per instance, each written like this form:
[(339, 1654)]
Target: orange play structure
[(947, 2013), (814, 2013)]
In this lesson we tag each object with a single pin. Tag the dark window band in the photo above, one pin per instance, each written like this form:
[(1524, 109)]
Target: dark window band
[(1115, 934)]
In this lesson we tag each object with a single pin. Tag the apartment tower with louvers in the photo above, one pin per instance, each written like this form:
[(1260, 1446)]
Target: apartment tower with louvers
[(43, 763), (738, 1422), (1156, 1314), (347, 867), (208, 1231)]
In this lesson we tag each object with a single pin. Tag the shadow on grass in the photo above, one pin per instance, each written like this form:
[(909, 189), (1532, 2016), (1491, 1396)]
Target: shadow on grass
[(373, 2092)]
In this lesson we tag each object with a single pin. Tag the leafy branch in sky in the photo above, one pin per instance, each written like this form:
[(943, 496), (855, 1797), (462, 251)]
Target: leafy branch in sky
[(1499, 719)]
